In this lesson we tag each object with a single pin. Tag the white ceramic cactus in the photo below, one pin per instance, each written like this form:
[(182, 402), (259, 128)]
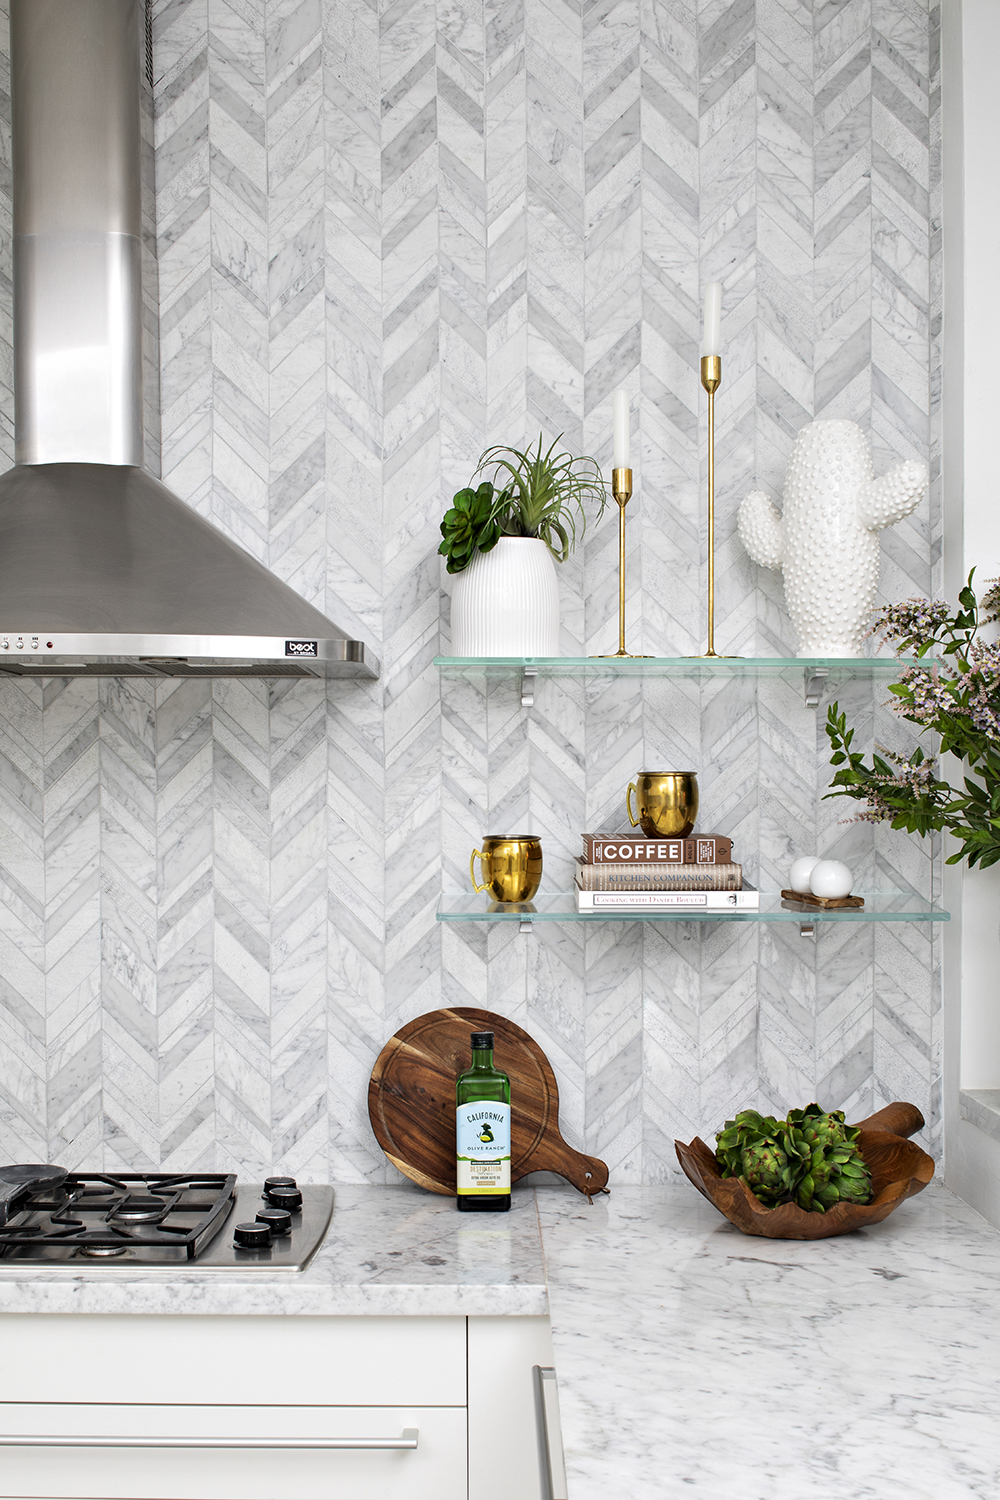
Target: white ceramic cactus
[(825, 539)]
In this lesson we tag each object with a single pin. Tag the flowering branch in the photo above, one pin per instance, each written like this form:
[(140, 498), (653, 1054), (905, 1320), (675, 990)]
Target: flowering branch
[(956, 695)]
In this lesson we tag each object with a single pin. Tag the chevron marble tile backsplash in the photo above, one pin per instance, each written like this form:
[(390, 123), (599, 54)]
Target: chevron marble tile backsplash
[(388, 235)]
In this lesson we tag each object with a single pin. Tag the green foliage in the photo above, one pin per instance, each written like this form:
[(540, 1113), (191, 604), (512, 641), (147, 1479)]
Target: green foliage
[(471, 525), (811, 1158), (954, 695), (545, 493)]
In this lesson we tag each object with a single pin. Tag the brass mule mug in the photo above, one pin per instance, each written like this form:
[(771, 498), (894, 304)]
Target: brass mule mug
[(666, 803), (511, 866)]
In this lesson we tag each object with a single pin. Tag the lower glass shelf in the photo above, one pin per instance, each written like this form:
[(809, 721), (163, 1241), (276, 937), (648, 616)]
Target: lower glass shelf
[(561, 907)]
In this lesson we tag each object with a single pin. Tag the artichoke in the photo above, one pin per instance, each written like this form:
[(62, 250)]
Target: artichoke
[(473, 524), (753, 1147), (811, 1158), (833, 1168)]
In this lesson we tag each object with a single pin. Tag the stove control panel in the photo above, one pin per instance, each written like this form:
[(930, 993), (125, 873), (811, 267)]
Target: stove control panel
[(282, 1198)]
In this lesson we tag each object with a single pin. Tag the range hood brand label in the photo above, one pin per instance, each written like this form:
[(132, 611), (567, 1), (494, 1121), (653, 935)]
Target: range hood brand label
[(301, 648)]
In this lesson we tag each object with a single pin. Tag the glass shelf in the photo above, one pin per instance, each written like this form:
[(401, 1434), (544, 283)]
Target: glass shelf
[(561, 907), (835, 669)]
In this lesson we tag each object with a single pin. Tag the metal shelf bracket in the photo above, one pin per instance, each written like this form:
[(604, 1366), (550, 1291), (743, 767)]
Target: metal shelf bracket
[(814, 679), (526, 926), (528, 689), (806, 929)]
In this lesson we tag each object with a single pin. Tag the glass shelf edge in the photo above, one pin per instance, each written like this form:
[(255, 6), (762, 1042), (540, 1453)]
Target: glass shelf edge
[(860, 666), (807, 915)]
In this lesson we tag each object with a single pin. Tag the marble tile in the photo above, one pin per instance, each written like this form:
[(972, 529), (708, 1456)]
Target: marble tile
[(387, 237)]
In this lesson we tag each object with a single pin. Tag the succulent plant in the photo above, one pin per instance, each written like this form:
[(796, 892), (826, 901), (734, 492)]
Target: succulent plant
[(811, 1158), (472, 525)]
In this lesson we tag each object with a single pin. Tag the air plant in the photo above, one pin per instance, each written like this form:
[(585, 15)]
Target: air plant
[(544, 495)]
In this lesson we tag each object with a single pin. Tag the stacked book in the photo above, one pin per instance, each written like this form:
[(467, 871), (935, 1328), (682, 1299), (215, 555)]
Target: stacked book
[(625, 874)]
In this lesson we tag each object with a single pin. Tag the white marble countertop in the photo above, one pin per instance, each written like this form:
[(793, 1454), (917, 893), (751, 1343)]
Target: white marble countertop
[(859, 1368), (389, 1250), (692, 1359)]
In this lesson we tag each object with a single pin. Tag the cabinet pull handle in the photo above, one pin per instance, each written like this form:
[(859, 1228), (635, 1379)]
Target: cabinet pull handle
[(553, 1464), (34, 1440)]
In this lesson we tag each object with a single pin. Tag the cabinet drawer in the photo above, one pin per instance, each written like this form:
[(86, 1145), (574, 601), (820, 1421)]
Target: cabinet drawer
[(434, 1470), (298, 1361)]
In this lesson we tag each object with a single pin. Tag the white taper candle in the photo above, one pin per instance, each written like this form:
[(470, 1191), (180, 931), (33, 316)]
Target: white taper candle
[(711, 332), (619, 407)]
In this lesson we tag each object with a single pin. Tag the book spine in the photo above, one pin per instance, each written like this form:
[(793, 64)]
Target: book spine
[(618, 851), (659, 877), (719, 901)]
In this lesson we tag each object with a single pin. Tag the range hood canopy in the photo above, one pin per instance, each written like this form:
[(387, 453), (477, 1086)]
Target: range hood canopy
[(102, 570)]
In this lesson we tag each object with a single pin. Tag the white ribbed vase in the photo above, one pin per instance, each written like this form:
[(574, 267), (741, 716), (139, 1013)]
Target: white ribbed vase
[(506, 602)]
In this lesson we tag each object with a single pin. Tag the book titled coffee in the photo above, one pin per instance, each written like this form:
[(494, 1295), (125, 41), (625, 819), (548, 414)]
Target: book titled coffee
[(658, 877), (711, 850)]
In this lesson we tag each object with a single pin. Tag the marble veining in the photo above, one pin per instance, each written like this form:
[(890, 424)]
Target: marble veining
[(387, 236), (690, 1358), (693, 1359), (388, 1251)]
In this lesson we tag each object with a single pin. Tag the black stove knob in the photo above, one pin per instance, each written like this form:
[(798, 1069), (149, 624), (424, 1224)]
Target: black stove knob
[(252, 1236), (284, 1197), (278, 1220), (273, 1182)]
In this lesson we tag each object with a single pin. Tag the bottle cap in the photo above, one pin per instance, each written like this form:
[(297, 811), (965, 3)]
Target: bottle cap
[(482, 1040)]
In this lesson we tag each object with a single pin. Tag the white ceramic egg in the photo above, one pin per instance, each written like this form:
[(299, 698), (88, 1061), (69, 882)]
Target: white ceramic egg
[(802, 868), (831, 878)]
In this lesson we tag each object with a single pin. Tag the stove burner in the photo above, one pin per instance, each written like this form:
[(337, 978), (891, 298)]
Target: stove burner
[(96, 1243), (131, 1221), (139, 1210)]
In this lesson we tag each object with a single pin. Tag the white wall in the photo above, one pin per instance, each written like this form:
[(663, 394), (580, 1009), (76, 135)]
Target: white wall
[(971, 124)]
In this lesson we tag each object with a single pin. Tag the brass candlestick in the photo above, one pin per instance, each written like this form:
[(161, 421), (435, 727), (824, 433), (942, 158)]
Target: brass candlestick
[(711, 379), (621, 488)]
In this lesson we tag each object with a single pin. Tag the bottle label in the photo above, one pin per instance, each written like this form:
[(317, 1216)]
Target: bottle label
[(483, 1139)]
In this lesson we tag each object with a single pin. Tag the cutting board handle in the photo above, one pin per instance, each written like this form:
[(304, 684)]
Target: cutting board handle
[(588, 1174)]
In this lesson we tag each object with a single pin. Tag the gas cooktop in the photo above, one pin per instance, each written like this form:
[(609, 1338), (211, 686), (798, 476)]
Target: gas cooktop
[(201, 1221)]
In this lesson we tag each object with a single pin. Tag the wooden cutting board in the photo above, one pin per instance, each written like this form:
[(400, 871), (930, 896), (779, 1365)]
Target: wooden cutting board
[(411, 1101)]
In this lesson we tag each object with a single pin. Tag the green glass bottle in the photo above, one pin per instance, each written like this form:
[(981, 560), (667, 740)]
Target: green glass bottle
[(482, 1130)]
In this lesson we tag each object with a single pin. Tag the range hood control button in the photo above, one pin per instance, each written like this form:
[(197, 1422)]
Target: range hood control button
[(252, 1236)]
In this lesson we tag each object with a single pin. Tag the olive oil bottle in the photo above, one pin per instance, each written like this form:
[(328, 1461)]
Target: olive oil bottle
[(482, 1118)]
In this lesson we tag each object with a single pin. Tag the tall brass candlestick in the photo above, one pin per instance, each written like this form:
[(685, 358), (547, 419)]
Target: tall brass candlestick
[(621, 488), (711, 379)]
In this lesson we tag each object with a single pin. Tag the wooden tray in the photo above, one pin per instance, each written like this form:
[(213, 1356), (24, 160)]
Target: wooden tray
[(806, 898), (899, 1170), (411, 1101)]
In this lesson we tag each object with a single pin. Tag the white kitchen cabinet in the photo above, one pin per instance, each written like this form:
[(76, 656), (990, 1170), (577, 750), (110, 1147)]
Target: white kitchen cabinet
[(294, 1361), (503, 1439), (219, 1378), (434, 1470)]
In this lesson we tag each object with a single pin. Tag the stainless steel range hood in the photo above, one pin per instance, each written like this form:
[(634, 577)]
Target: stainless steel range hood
[(102, 570)]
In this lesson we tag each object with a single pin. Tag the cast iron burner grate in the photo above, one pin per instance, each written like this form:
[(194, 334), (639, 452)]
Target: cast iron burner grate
[(166, 1218)]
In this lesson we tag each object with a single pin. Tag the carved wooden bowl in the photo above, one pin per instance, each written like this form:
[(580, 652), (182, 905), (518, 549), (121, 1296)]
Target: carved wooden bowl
[(899, 1170)]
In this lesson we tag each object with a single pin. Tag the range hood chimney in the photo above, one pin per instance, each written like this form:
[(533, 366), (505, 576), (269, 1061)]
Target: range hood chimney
[(102, 570)]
